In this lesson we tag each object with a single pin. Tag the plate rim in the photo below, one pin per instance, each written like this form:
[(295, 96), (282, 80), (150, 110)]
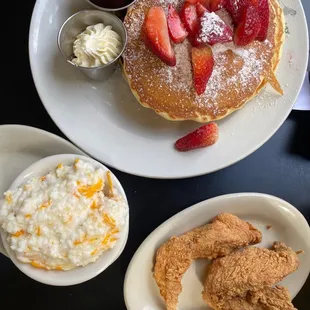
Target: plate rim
[(198, 205), (40, 131), (154, 175), (48, 134)]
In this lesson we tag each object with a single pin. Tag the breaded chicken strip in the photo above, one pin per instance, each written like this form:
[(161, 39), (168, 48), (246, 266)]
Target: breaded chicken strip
[(225, 234), (269, 298), (245, 279)]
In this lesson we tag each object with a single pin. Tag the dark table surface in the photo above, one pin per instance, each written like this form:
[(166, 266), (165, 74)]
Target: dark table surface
[(281, 167)]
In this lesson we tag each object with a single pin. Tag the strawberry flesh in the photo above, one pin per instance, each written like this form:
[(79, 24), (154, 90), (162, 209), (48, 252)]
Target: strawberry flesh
[(176, 28), (215, 5), (193, 1), (204, 136), (203, 63), (263, 12), (200, 9), (190, 20), (248, 27), (156, 35), (236, 7), (213, 30)]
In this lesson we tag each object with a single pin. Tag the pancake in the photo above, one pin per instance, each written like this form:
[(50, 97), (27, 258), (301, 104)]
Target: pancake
[(238, 76)]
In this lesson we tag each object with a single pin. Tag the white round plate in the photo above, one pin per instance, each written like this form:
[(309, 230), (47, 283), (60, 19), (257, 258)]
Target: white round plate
[(287, 225), (21, 146), (105, 119)]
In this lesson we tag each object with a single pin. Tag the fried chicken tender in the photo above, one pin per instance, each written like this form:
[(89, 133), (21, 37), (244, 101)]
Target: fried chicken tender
[(268, 298), (245, 279), (225, 234)]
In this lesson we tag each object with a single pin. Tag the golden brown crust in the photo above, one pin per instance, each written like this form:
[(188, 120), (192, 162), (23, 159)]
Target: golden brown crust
[(170, 92), (225, 234), (245, 276)]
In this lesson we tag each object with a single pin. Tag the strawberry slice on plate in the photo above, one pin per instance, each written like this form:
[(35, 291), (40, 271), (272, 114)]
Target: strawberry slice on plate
[(236, 7), (200, 9), (190, 19), (213, 30), (176, 28), (156, 35), (264, 13), (248, 27), (204, 136), (203, 64)]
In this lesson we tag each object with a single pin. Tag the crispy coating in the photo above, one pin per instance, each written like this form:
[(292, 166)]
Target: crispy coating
[(245, 279), (268, 298), (225, 234)]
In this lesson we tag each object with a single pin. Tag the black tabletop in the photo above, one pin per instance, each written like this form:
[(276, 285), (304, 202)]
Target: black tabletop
[(281, 168)]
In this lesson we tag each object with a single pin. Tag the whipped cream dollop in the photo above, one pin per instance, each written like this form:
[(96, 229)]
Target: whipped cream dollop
[(97, 45)]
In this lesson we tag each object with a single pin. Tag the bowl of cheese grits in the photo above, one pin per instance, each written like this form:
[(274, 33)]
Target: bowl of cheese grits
[(64, 220)]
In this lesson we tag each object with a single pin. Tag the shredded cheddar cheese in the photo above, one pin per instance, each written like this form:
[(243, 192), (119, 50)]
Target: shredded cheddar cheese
[(38, 231), (110, 185), (66, 218), (18, 233), (109, 220), (94, 252), (9, 198), (37, 265), (94, 205), (77, 242), (89, 191), (75, 163), (46, 205)]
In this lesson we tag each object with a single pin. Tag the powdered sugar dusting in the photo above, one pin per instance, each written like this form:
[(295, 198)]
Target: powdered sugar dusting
[(236, 75), (211, 26)]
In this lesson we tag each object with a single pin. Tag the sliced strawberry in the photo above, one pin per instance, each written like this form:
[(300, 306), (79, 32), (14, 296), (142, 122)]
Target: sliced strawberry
[(216, 5), (156, 35), (200, 9), (176, 28), (204, 136), (203, 63), (235, 7), (193, 1), (263, 12), (248, 27), (205, 3), (190, 19), (213, 30)]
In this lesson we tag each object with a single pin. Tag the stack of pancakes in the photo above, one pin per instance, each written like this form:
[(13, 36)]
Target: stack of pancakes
[(238, 76)]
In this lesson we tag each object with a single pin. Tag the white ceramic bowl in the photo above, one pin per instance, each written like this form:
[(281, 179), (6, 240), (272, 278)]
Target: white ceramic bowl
[(80, 274)]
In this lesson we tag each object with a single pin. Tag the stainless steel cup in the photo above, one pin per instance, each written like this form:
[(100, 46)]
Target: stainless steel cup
[(75, 25), (109, 9)]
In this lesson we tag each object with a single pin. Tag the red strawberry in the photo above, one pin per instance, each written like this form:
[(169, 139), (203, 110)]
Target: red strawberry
[(204, 136), (203, 63), (216, 5), (235, 7), (213, 30), (200, 9), (248, 27), (190, 19), (176, 28), (156, 35), (205, 3), (263, 12)]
